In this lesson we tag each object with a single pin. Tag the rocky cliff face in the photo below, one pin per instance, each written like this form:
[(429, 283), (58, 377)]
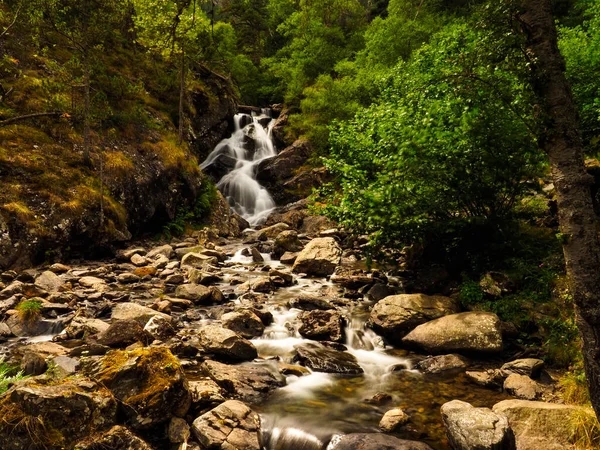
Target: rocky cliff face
[(52, 205)]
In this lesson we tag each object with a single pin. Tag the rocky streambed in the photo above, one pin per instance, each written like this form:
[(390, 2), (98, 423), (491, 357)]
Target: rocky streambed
[(274, 340)]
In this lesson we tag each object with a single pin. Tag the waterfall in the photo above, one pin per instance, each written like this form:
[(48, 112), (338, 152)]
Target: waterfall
[(239, 156)]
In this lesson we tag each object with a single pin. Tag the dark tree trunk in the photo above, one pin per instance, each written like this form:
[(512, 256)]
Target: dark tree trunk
[(87, 160), (182, 96), (560, 138)]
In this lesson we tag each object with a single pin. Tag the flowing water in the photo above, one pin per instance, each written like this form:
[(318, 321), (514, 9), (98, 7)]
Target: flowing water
[(311, 410), (249, 144)]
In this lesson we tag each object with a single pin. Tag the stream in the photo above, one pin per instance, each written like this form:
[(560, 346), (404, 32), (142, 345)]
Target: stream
[(311, 410)]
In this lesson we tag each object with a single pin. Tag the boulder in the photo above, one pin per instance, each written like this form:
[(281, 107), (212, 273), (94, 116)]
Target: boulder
[(523, 387), (396, 315), (178, 431), (81, 327), (133, 311), (198, 260), (443, 363), (324, 359), (93, 282), (117, 438), (322, 325), (244, 322), (164, 250), (39, 413), (286, 241), (490, 378), (49, 281), (123, 333), (528, 366), (310, 303), (375, 441), (226, 344), (463, 332), (244, 382), (128, 278), (470, 428), (320, 257), (231, 425), (205, 394), (33, 364), (540, 425), (194, 292), (149, 382), (393, 420), (160, 328)]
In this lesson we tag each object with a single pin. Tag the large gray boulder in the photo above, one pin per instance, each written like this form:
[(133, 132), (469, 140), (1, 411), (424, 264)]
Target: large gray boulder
[(226, 344), (376, 441), (470, 428), (463, 332), (320, 257), (541, 425), (396, 315), (231, 425), (48, 281), (194, 292)]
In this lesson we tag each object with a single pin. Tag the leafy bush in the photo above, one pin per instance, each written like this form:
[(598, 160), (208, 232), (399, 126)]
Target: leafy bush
[(447, 143)]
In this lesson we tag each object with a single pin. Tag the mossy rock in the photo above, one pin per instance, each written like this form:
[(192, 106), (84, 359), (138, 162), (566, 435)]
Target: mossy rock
[(149, 382), (39, 413)]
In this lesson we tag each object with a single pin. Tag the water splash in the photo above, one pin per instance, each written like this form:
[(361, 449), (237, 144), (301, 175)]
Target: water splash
[(250, 143)]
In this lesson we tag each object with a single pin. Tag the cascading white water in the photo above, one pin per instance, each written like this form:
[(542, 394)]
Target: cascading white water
[(249, 144)]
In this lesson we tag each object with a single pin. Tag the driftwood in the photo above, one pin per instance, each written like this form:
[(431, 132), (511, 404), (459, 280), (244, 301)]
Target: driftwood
[(12, 120)]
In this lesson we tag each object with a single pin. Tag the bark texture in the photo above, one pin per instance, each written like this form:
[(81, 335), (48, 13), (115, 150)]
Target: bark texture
[(561, 140)]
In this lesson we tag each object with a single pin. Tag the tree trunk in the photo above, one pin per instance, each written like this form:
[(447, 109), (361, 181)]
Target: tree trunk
[(87, 160), (560, 138), (182, 95)]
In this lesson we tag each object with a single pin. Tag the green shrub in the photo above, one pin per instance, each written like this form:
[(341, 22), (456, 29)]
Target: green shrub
[(29, 310)]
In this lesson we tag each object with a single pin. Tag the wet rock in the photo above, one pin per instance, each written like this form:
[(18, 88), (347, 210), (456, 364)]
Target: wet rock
[(256, 256), (81, 327), (463, 332), (286, 241), (33, 364), (262, 284), (128, 278), (117, 438), (244, 322), (160, 328), (197, 293), (540, 425), (198, 260), (175, 278), (523, 387), (205, 394), (244, 382), (322, 325), (392, 420), (133, 311), (320, 257), (310, 303), (5, 332), (443, 363), (322, 359), (64, 366), (529, 366), (49, 281), (93, 282), (231, 425), (57, 415), (288, 258), (178, 431), (59, 268), (470, 428), (226, 344), (149, 382), (379, 291), (139, 261), (123, 333), (164, 250), (375, 441), (125, 255), (396, 315), (491, 378), (16, 287), (205, 278)]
